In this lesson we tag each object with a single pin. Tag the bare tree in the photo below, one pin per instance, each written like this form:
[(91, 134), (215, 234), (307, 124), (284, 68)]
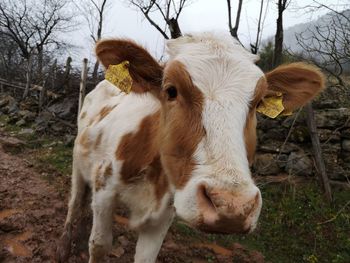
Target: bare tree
[(170, 11), (261, 21), (282, 6), (327, 44), (33, 25), (94, 12), (234, 30)]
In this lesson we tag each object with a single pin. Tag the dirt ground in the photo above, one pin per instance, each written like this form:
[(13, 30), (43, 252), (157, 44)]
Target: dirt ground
[(32, 213)]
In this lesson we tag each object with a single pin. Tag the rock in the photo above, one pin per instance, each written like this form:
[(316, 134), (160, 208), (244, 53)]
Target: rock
[(8, 101), (21, 122), (282, 161), (346, 145), (123, 241), (326, 104), (265, 164), (273, 146), (266, 124), (65, 109), (13, 108), (3, 102), (58, 127), (301, 120), (43, 120), (26, 131), (117, 252), (300, 134), (334, 168), (11, 144), (299, 163), (328, 135), (69, 140), (332, 118), (345, 133), (27, 115), (278, 133), (331, 148)]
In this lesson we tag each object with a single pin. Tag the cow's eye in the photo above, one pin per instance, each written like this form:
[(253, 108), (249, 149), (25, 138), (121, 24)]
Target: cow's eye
[(171, 92)]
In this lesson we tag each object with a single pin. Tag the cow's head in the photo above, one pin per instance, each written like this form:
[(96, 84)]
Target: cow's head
[(209, 91)]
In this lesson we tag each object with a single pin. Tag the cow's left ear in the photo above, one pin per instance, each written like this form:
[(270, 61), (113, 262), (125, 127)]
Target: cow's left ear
[(290, 87), (145, 71)]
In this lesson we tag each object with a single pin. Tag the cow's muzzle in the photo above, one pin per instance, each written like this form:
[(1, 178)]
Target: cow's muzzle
[(223, 211)]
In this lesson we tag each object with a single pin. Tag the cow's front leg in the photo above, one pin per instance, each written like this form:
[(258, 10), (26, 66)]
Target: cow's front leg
[(101, 237), (151, 237)]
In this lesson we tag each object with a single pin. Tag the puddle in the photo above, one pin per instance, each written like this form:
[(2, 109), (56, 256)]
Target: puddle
[(15, 247), (8, 212), (215, 248), (121, 220)]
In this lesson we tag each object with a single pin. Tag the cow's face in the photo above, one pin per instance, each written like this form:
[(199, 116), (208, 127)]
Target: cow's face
[(209, 91)]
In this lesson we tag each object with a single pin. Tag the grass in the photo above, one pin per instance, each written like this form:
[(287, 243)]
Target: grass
[(293, 227), (47, 152)]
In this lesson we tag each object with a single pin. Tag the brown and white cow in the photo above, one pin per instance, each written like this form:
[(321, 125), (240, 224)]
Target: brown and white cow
[(180, 143)]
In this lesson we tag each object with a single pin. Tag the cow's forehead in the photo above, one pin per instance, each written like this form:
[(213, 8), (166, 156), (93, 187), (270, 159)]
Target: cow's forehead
[(218, 65)]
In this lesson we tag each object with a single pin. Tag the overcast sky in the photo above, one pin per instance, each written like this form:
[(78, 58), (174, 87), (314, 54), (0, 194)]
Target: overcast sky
[(201, 15)]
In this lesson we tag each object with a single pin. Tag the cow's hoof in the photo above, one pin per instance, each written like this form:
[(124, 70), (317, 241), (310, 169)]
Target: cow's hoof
[(63, 248)]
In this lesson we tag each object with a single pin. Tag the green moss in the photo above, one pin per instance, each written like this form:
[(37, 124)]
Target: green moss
[(58, 156)]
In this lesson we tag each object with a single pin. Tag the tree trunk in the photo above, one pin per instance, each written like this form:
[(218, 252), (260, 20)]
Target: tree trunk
[(234, 32), (277, 57), (28, 76), (174, 28), (40, 64), (321, 169), (255, 47)]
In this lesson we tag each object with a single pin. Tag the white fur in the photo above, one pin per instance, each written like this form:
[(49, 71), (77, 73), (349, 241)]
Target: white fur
[(225, 73)]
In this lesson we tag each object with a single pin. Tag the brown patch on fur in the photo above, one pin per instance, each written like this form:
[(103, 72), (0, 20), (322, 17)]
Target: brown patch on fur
[(139, 149), (84, 139), (98, 140), (108, 171), (158, 178), (99, 183), (101, 177), (83, 115), (250, 137), (104, 112), (144, 69), (182, 127)]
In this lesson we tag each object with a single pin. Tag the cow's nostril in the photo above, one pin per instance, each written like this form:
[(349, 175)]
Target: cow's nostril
[(205, 202), (204, 195)]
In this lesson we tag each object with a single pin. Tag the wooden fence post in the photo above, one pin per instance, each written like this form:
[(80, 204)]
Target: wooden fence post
[(320, 166), (28, 76), (43, 92), (82, 84), (66, 82)]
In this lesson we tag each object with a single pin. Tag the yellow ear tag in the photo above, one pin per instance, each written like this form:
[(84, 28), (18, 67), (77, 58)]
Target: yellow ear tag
[(119, 76), (272, 106)]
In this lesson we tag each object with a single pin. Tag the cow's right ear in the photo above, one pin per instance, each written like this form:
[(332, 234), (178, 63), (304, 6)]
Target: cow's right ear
[(145, 71)]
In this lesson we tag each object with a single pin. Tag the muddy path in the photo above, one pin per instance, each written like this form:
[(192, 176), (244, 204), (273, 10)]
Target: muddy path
[(32, 213)]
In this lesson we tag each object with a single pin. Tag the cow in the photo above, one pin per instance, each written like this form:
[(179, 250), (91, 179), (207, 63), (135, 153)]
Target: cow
[(176, 139)]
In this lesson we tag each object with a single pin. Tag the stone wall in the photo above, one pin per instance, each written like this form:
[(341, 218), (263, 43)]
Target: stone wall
[(275, 156)]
